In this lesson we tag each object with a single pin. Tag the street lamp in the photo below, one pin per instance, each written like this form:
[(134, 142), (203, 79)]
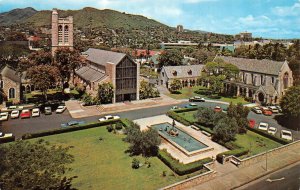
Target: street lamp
[(266, 160)]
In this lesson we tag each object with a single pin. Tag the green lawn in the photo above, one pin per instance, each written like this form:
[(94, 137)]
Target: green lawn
[(189, 116), (188, 92), (255, 143), (105, 165)]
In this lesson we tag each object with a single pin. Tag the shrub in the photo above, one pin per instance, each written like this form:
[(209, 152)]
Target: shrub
[(110, 128), (179, 168), (178, 118), (7, 139), (119, 126), (135, 163), (236, 152)]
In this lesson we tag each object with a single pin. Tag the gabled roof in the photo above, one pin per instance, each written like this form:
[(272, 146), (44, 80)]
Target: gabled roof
[(11, 74), (184, 71), (269, 89), (90, 74), (102, 57), (254, 65)]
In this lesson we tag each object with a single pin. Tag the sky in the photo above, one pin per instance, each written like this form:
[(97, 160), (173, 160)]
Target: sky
[(264, 18)]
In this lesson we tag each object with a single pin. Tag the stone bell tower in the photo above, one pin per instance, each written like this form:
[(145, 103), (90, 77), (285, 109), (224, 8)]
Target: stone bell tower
[(62, 32)]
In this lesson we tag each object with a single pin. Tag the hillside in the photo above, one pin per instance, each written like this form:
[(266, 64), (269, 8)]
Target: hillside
[(16, 16)]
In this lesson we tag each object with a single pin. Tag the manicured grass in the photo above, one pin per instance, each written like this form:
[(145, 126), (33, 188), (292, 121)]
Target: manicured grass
[(255, 143), (188, 92), (105, 165), (189, 116)]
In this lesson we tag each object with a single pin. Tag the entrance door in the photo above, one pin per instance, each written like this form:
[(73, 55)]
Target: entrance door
[(261, 97), (127, 97)]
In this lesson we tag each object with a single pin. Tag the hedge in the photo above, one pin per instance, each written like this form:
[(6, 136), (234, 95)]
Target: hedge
[(185, 110), (265, 134), (207, 129), (126, 122), (7, 139), (178, 118), (69, 129), (179, 168), (236, 152)]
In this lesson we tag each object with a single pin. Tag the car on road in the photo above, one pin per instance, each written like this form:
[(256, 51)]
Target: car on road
[(251, 123), (72, 123), (256, 110), (48, 111), (60, 109), (4, 116), (25, 114), (5, 135), (279, 109), (263, 126), (217, 109), (191, 105), (35, 112), (174, 108), (14, 114), (266, 111), (273, 109), (272, 130), (196, 99), (109, 117), (287, 135)]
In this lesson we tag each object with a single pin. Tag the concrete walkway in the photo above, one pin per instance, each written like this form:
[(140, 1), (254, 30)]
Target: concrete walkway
[(230, 178)]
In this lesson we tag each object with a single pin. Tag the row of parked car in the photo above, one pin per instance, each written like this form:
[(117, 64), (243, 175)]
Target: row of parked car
[(269, 110), (74, 122), (27, 113), (285, 134)]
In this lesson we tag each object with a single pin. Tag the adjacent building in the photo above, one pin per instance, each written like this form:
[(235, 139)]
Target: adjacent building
[(179, 28), (265, 81), (245, 36), (108, 66), (186, 74)]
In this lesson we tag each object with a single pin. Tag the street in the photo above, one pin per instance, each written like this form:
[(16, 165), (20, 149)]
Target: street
[(48, 122), (285, 179)]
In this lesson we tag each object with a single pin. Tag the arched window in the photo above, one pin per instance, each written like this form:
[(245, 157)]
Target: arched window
[(174, 73), (190, 72), (66, 33), (1, 84), (11, 93), (60, 33), (286, 80)]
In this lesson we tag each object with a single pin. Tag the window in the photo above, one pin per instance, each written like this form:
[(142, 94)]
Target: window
[(273, 80), (174, 73), (190, 72), (261, 79), (1, 84), (60, 33), (286, 81), (11, 93), (66, 33), (163, 74)]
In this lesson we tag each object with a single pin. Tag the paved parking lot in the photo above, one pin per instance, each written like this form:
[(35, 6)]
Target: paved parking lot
[(47, 122)]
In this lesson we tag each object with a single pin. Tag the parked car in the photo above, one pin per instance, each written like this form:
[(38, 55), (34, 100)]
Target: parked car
[(273, 109), (60, 109), (109, 117), (5, 135), (71, 123), (272, 130), (196, 99), (287, 135), (35, 112), (256, 110), (217, 109), (4, 116), (279, 109), (25, 114), (266, 111), (174, 108), (14, 114), (190, 105), (263, 126), (48, 111), (251, 123)]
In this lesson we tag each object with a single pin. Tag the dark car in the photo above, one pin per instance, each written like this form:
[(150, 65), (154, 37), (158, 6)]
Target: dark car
[(196, 99)]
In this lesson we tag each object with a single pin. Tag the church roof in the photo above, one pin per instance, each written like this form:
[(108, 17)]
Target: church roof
[(90, 74), (102, 57), (255, 65), (11, 74), (183, 71)]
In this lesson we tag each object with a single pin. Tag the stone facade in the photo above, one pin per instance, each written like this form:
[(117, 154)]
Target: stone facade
[(62, 31)]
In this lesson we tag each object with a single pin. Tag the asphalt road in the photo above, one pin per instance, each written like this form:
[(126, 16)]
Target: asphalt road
[(285, 179), (47, 122)]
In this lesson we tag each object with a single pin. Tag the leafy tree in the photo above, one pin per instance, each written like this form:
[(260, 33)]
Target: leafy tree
[(205, 116), (290, 102), (216, 83), (105, 93), (147, 90), (170, 58), (225, 130), (175, 85), (240, 113), (43, 77), (38, 165)]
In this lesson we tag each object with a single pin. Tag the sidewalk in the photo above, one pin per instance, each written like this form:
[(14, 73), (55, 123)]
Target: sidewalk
[(230, 179)]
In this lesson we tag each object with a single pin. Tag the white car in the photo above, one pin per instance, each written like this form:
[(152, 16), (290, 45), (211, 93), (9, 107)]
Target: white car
[(256, 110), (287, 135), (4, 135), (263, 126), (3, 116), (14, 114), (35, 112), (109, 117), (61, 109), (274, 109), (272, 130)]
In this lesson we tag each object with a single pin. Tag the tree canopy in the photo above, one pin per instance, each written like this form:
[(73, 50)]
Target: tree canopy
[(175, 85), (170, 58), (290, 102), (147, 90), (105, 93)]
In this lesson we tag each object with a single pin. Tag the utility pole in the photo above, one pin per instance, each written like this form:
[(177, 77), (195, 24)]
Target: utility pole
[(266, 160)]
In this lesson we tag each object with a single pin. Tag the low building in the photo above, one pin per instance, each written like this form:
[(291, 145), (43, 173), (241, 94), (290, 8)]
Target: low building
[(116, 68), (187, 74), (179, 44), (265, 81)]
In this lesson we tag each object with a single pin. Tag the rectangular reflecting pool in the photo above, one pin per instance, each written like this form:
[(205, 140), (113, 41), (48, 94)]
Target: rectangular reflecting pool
[(179, 137)]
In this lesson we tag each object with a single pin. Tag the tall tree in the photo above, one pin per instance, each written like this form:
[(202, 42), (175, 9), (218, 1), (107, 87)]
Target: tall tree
[(105, 93), (225, 130), (240, 113), (290, 102), (175, 85), (147, 90), (170, 58)]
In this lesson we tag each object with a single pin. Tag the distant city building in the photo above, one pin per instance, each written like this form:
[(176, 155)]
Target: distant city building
[(62, 31), (108, 66), (179, 28), (179, 44), (264, 80), (245, 36)]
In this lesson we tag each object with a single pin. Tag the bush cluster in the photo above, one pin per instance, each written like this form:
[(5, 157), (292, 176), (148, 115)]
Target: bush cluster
[(236, 152)]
